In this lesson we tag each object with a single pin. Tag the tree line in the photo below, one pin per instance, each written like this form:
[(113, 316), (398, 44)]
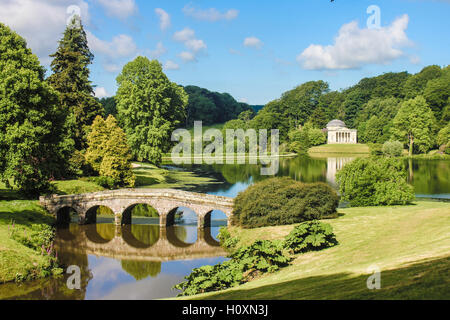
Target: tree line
[(412, 108), (54, 128)]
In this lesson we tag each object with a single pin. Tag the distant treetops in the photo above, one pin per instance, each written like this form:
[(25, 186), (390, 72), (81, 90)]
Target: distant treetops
[(413, 109)]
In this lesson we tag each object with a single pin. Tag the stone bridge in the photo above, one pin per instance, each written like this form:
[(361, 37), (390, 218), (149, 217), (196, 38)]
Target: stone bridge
[(124, 245), (121, 203)]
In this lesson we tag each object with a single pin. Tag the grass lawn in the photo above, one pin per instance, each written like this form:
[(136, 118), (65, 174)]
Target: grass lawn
[(150, 176), (410, 245), (340, 148), (17, 260)]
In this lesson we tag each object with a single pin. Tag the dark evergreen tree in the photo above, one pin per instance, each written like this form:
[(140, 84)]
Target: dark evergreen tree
[(71, 79)]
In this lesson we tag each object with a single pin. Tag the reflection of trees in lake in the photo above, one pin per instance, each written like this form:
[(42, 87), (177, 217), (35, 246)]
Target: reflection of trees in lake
[(429, 176), (180, 232), (147, 234), (54, 288), (106, 230), (141, 269)]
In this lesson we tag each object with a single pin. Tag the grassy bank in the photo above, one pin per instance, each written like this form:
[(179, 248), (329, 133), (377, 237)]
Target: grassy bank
[(410, 244), (150, 176), (18, 261), (339, 149)]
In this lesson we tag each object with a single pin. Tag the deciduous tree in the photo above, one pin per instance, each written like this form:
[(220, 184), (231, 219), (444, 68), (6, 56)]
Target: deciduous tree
[(31, 119), (414, 124), (150, 107)]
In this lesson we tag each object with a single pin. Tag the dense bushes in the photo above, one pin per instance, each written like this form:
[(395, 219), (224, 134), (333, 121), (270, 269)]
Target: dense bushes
[(374, 182), (261, 257), (303, 139), (280, 201), (392, 148)]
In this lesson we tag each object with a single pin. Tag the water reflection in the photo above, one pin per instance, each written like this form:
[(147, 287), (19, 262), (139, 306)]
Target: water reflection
[(430, 178), (128, 262)]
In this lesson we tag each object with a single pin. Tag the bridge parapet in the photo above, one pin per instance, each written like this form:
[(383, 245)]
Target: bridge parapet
[(163, 200)]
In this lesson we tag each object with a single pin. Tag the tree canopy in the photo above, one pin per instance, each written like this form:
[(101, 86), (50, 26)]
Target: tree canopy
[(149, 108), (414, 124), (31, 119), (211, 107)]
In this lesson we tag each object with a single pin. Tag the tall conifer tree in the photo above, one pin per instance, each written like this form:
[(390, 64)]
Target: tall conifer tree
[(71, 79)]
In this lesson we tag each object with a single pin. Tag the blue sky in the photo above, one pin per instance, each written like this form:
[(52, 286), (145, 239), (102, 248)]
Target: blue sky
[(255, 50)]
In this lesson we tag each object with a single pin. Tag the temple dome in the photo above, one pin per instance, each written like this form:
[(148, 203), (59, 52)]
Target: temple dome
[(336, 123)]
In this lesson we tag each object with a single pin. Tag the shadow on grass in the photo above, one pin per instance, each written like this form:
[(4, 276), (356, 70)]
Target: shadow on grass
[(27, 216), (424, 279)]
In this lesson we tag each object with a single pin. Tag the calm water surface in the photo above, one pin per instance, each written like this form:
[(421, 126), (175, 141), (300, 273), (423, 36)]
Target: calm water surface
[(142, 261)]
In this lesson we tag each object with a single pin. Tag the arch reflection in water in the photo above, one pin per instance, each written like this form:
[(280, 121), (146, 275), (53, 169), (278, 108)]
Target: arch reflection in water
[(181, 226), (140, 236), (151, 243)]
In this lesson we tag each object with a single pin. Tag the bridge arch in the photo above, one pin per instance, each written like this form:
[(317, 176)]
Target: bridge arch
[(139, 209), (182, 215), (90, 216), (65, 214)]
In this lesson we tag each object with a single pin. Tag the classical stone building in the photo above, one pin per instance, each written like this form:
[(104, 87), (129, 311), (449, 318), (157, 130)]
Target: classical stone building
[(339, 133)]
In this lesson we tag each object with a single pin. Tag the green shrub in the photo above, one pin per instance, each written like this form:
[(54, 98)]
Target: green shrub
[(443, 137), (310, 236), (300, 140), (39, 235), (317, 137), (244, 264), (376, 149), (374, 182), (280, 201), (226, 240), (393, 148)]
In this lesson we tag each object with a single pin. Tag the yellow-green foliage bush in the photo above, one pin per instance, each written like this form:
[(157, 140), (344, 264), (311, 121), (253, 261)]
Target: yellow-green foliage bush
[(109, 154)]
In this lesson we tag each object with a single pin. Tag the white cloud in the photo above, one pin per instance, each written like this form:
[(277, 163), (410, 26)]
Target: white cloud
[(195, 45), (243, 100), (119, 47), (211, 14), (40, 22), (187, 56), (253, 42), (354, 47), (164, 18), (170, 65), (121, 9), (184, 35), (100, 92), (187, 36), (158, 52)]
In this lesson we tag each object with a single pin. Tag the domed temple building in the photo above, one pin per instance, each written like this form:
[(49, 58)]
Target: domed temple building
[(339, 133)]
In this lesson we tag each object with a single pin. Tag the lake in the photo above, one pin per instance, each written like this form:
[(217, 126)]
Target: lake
[(143, 261)]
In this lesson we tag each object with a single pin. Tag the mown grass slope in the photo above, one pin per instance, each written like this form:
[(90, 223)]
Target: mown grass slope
[(340, 149), (410, 245)]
